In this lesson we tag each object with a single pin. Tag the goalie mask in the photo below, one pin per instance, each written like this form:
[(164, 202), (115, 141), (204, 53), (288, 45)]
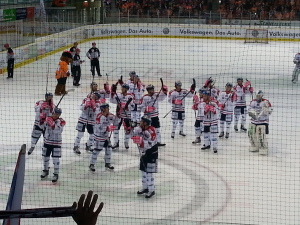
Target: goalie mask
[(259, 95)]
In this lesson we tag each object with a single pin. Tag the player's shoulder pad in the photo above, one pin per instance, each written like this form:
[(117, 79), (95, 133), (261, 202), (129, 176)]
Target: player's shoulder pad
[(266, 100)]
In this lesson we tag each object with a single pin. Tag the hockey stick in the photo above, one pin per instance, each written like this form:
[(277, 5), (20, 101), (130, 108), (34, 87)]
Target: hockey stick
[(162, 84), (194, 82), (70, 90), (38, 213)]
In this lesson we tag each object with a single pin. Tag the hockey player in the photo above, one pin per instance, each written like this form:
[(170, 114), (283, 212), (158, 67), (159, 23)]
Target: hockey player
[(199, 118), (296, 69), (136, 88), (52, 143), (94, 54), (131, 77), (227, 100), (210, 86), (76, 67), (10, 59), (106, 123), (86, 121), (240, 108), (177, 99), (43, 108), (209, 108), (145, 138), (259, 110), (150, 108), (124, 101)]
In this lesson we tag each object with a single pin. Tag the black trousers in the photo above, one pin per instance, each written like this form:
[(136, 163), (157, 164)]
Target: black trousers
[(10, 67), (95, 64), (76, 74)]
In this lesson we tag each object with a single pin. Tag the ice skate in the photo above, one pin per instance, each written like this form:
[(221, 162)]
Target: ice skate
[(115, 146), (197, 141), (236, 128), (172, 134), (243, 129), (76, 150), (221, 135), (55, 178), (109, 166), (126, 145), (205, 147), (150, 194), (227, 135), (182, 134), (45, 174), (30, 150), (215, 150), (88, 148), (143, 191), (92, 167)]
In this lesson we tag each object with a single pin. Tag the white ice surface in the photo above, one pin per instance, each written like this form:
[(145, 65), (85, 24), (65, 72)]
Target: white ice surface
[(233, 187)]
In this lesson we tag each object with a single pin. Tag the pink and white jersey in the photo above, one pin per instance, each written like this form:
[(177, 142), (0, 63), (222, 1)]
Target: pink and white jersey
[(102, 122), (214, 92), (148, 100), (42, 110), (179, 95), (209, 118), (229, 101), (148, 135), (121, 111), (137, 90), (241, 92), (89, 109), (103, 95), (263, 109), (297, 61), (53, 135)]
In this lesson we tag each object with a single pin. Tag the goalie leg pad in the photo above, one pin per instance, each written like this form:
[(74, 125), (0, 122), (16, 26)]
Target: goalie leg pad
[(262, 139), (253, 138)]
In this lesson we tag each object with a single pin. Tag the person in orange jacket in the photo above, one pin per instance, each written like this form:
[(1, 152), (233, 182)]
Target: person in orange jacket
[(62, 73)]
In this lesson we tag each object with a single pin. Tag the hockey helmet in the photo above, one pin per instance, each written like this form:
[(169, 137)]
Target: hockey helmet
[(104, 106), (239, 79), (260, 94), (93, 43), (98, 96), (178, 83), (209, 81), (146, 119), (206, 93), (57, 111), (149, 87), (132, 73), (229, 85), (93, 84), (135, 76), (48, 94), (125, 86), (6, 45)]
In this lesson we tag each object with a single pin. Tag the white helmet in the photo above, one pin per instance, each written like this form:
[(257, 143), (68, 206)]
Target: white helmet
[(260, 94)]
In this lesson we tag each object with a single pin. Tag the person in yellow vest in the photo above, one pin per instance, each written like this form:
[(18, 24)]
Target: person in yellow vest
[(62, 73)]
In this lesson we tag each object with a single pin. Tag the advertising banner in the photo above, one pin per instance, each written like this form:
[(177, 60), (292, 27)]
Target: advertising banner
[(30, 12), (21, 13), (9, 14)]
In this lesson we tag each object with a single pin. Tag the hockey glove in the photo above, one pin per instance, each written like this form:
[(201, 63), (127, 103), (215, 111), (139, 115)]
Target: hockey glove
[(193, 86), (113, 89), (106, 88), (247, 84), (50, 122), (196, 99), (164, 89), (195, 107), (221, 106), (212, 109), (120, 81), (137, 140), (251, 89), (206, 108), (42, 118)]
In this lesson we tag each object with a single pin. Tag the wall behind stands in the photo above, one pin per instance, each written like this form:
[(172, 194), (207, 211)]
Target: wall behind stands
[(63, 40)]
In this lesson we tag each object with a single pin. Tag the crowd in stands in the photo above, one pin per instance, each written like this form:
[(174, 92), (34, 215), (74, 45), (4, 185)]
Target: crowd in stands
[(164, 8), (259, 9), (230, 9)]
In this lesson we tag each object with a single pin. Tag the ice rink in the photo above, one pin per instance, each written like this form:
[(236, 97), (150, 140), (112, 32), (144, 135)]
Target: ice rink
[(192, 187)]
